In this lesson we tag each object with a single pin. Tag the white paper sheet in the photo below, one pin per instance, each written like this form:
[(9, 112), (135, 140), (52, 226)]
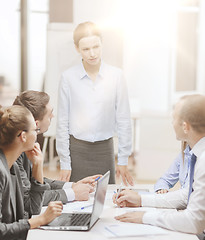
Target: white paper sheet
[(131, 229), (77, 207)]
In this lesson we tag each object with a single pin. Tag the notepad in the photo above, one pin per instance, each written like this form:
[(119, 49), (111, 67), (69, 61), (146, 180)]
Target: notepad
[(131, 230)]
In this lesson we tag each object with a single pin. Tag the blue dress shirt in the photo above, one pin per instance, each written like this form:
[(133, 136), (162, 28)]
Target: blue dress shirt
[(178, 171)]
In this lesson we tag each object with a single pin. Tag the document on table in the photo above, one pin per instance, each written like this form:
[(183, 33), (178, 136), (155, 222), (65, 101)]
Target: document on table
[(131, 230), (120, 211), (78, 206), (109, 195)]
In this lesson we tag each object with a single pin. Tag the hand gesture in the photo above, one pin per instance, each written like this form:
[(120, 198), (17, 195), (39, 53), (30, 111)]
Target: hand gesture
[(65, 175), (82, 191), (124, 173), (53, 210), (90, 179), (133, 217)]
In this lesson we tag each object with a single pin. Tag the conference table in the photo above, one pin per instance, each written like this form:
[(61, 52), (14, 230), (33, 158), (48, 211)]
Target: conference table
[(98, 232)]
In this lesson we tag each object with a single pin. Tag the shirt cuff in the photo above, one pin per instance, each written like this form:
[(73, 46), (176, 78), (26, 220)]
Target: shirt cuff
[(148, 200), (67, 185), (151, 217), (65, 165), (122, 161), (160, 186), (70, 194)]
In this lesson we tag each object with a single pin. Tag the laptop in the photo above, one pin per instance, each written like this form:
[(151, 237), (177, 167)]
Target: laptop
[(82, 221)]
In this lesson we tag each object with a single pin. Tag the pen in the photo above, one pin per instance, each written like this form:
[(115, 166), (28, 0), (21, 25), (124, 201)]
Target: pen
[(97, 179), (86, 206), (118, 192)]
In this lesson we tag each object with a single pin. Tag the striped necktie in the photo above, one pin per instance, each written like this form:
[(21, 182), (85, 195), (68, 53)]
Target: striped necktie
[(191, 177)]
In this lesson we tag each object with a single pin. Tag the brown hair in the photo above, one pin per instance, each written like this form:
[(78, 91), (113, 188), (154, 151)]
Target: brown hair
[(193, 111), (12, 120), (35, 102), (85, 29)]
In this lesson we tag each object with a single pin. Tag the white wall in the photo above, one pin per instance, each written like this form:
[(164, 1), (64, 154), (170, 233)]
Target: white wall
[(148, 29), (147, 50), (157, 146), (148, 32), (37, 39), (10, 42)]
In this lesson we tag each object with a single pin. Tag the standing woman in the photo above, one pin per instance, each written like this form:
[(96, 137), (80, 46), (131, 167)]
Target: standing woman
[(93, 105), (18, 134)]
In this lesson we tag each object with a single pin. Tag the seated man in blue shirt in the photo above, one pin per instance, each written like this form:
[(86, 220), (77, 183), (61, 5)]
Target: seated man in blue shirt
[(39, 106), (178, 171)]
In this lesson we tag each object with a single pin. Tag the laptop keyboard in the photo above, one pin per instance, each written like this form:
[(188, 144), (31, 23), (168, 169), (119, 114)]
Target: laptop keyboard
[(74, 219), (80, 219)]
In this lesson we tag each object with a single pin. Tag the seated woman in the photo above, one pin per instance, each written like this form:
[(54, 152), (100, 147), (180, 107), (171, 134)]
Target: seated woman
[(18, 134)]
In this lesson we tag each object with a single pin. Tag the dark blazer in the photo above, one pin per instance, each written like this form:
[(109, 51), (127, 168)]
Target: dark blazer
[(55, 191), (13, 202)]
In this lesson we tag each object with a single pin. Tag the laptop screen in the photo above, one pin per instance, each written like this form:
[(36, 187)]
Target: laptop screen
[(99, 197)]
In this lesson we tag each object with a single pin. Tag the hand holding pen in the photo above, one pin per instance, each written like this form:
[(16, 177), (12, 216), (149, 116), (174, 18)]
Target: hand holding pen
[(90, 205), (127, 198), (117, 193), (91, 179)]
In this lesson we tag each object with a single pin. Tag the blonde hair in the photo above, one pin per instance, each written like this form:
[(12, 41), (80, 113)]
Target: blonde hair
[(183, 147), (193, 111), (12, 120), (85, 29)]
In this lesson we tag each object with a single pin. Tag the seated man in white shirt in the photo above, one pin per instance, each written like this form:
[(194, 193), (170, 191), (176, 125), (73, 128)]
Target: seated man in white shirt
[(189, 126), (39, 106)]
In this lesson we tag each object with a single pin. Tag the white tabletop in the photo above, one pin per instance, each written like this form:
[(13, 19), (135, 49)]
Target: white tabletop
[(107, 217)]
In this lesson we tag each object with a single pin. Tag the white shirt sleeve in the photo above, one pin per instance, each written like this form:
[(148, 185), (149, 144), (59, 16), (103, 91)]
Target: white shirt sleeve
[(123, 121), (62, 134), (190, 220), (70, 194), (67, 185), (176, 199)]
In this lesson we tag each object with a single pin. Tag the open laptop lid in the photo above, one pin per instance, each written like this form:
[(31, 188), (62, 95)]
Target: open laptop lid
[(99, 198), (97, 209)]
